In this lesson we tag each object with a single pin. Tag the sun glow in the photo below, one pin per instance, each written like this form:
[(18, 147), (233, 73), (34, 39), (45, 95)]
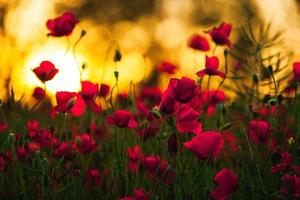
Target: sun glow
[(68, 78)]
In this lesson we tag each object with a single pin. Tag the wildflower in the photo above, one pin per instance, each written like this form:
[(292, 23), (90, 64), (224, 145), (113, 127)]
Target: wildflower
[(39, 93), (220, 34), (84, 143), (198, 42), (211, 67), (89, 92), (62, 25), (206, 145), (291, 184), (167, 67), (45, 71), (227, 183), (104, 90), (135, 156), (259, 131), (149, 97), (3, 127), (187, 120), (122, 119), (69, 102)]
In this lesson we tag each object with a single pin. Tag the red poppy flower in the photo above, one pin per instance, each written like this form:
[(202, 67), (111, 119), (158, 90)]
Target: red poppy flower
[(167, 104), (62, 25), (104, 90), (259, 131), (64, 149), (182, 90), (69, 102), (205, 145), (46, 71), (45, 138), (227, 183), (148, 131), (291, 184), (220, 35), (122, 119), (32, 128), (284, 162), (149, 97), (296, 71), (3, 127), (39, 93), (2, 164), (152, 163), (187, 120), (295, 80), (211, 67), (93, 176), (21, 153), (139, 194), (135, 155), (167, 67), (89, 92), (198, 42), (33, 147), (85, 143), (211, 99), (230, 143)]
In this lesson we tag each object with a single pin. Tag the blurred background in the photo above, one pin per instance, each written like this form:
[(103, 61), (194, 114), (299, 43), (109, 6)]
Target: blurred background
[(147, 32)]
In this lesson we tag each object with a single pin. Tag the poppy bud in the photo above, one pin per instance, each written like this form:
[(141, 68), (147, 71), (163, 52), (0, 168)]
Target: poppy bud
[(12, 138), (267, 98), (226, 52), (272, 102), (255, 78), (270, 69), (83, 33), (156, 113), (116, 73), (118, 56)]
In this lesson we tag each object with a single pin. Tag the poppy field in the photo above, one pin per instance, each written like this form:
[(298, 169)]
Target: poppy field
[(197, 138)]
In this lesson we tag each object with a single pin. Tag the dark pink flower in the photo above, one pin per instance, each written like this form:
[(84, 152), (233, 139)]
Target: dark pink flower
[(122, 119), (3, 127), (187, 120), (135, 155), (93, 176), (259, 131), (198, 42), (205, 145), (104, 90), (291, 184), (64, 149), (32, 128), (85, 143), (209, 99), (296, 71), (69, 102), (211, 67), (89, 92), (227, 183), (62, 25), (21, 153), (220, 35), (46, 71), (39, 93), (149, 97), (167, 67)]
